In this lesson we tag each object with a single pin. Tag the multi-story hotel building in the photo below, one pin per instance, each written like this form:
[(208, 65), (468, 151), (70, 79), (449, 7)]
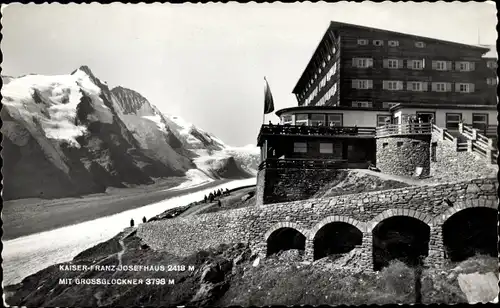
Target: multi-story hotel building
[(360, 79)]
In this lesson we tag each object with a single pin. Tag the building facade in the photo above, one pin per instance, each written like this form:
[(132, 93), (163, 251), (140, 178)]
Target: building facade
[(364, 86), (356, 66)]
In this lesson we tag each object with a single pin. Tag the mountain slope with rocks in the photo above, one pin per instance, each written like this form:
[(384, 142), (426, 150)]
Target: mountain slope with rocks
[(70, 135)]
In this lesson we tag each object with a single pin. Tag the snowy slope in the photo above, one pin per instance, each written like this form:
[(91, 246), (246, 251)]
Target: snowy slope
[(212, 158), (82, 137), (67, 129)]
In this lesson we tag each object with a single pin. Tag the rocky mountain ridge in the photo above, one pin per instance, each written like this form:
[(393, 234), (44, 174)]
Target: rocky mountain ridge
[(69, 135)]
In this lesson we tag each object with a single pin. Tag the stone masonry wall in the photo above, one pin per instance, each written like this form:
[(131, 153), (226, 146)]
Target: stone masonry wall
[(451, 164), (183, 236), (283, 185), (401, 155), (261, 184)]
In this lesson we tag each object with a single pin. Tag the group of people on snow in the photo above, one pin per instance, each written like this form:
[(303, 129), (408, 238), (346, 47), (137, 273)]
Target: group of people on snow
[(216, 194)]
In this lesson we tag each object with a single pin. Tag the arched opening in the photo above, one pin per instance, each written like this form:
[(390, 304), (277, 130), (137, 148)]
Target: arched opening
[(336, 238), (400, 238), (285, 239), (470, 232)]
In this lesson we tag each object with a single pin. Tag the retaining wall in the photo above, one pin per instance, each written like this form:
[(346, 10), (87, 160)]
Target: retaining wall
[(183, 236)]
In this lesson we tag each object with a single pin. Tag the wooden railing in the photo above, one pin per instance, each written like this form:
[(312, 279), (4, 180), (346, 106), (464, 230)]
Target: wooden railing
[(267, 129), (476, 143), (303, 163), (467, 131), (462, 147), (404, 129)]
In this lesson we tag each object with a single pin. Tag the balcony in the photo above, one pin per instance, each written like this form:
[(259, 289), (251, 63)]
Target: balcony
[(404, 129), (303, 164), (324, 131)]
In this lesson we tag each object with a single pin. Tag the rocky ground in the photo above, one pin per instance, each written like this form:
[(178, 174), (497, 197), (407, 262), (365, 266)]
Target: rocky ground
[(231, 275), (358, 181)]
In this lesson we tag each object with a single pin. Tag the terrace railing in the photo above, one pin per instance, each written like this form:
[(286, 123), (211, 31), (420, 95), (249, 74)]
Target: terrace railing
[(306, 130), (290, 163), (404, 129)]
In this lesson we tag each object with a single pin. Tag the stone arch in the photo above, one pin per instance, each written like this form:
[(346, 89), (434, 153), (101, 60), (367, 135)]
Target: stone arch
[(400, 234), (286, 224), (425, 218), (462, 205), (469, 228), (336, 218), (285, 236), (336, 235)]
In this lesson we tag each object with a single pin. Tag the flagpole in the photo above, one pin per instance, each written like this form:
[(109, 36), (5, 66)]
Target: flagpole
[(264, 111)]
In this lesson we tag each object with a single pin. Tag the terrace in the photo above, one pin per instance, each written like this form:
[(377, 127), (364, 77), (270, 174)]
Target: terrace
[(404, 129), (319, 131)]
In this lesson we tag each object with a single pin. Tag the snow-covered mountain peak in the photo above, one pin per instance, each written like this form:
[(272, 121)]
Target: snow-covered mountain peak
[(52, 102)]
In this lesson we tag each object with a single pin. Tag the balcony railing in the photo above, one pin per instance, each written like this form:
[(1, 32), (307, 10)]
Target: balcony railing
[(316, 130), (404, 129), (303, 163)]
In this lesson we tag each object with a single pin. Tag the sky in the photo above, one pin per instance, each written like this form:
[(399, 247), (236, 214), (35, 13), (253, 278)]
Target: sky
[(206, 62)]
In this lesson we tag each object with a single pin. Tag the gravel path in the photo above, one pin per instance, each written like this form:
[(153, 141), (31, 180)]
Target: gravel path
[(384, 176)]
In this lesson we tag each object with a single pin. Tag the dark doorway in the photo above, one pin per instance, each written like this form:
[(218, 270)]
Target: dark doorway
[(470, 232), (427, 117), (400, 238), (285, 239), (336, 238)]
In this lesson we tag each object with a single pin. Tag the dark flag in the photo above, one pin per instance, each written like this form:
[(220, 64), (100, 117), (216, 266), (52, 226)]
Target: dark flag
[(268, 99)]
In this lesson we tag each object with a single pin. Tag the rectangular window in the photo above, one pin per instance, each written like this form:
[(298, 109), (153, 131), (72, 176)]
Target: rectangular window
[(326, 148), (480, 121), (440, 87), (394, 43), (463, 88), (464, 66), (301, 119), (362, 62), (392, 85), (417, 64), (419, 44), (416, 86), (362, 84), (440, 65), (362, 42), (452, 120), (378, 42), (286, 119), (317, 119), (362, 104), (491, 81), (383, 119), (300, 147), (492, 64), (392, 63), (336, 119)]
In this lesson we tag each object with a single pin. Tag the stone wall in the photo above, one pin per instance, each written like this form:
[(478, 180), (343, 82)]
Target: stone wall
[(261, 184), (183, 236), (283, 185), (401, 155), (450, 164)]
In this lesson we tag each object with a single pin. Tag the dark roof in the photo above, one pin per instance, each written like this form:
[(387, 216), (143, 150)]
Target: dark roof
[(442, 106), (334, 25)]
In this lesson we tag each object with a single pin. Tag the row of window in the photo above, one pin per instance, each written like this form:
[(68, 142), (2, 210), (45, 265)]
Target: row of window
[(324, 147), (331, 119), (418, 86), (391, 43), (492, 81), (331, 72), (416, 64)]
